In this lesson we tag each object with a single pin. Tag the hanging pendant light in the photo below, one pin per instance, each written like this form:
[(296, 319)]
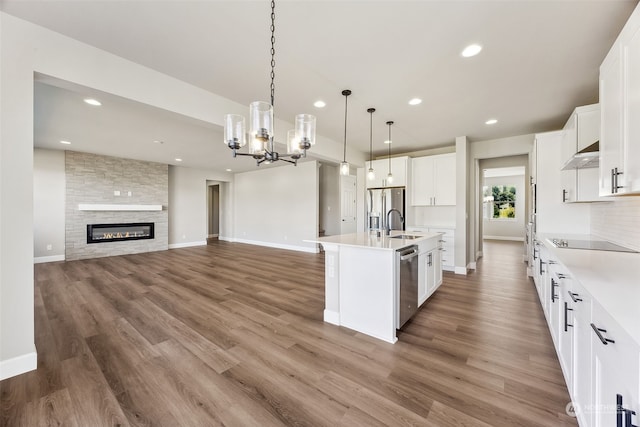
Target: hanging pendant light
[(371, 174), (344, 166), (261, 135), (390, 175)]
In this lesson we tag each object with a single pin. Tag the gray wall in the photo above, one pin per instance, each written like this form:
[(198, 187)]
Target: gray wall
[(93, 179), (329, 199), (213, 209), (48, 205), (278, 206), (188, 199)]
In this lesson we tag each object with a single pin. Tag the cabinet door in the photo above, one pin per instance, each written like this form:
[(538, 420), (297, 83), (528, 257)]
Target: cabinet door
[(582, 355), (399, 171), (437, 265), (445, 180), (630, 180), (431, 271), (422, 181), (611, 121), (422, 277), (615, 369)]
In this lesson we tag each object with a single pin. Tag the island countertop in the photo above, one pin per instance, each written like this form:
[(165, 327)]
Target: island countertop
[(372, 241)]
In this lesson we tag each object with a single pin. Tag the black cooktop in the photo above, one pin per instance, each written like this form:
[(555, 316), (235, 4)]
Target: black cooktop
[(594, 245)]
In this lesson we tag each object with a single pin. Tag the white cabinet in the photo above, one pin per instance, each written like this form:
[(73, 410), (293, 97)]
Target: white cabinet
[(429, 269), (433, 180), (447, 244), (381, 170), (581, 130), (620, 107), (615, 371)]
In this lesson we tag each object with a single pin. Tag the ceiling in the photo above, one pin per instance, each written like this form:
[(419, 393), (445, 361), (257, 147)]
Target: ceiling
[(540, 60)]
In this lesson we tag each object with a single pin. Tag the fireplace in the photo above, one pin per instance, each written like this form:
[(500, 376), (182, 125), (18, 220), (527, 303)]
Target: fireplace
[(102, 233)]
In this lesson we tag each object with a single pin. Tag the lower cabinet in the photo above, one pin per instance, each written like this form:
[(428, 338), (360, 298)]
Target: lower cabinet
[(429, 270), (600, 361)]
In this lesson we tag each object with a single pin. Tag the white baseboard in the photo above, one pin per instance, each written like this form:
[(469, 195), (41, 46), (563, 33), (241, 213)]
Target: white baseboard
[(313, 250), (448, 268), (460, 270), (510, 238), (471, 266), (187, 244), (42, 259), (212, 235), (18, 365), (332, 317), (226, 239)]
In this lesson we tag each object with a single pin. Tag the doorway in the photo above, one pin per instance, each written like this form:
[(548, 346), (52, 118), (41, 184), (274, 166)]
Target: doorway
[(213, 209)]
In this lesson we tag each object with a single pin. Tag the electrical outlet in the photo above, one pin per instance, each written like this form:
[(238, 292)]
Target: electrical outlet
[(116, 192), (49, 247), (129, 194)]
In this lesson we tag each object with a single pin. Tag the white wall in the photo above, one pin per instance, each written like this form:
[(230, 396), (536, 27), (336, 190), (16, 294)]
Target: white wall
[(617, 220), (507, 229), (188, 197), (278, 206), (48, 204)]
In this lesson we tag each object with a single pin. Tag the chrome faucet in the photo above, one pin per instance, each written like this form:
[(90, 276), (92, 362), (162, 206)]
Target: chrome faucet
[(389, 222)]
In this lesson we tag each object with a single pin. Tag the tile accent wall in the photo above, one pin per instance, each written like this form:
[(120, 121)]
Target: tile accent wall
[(92, 178), (618, 221)]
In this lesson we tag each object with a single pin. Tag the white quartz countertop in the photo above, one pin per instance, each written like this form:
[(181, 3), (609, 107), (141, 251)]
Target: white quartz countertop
[(372, 241), (612, 279), (445, 226)]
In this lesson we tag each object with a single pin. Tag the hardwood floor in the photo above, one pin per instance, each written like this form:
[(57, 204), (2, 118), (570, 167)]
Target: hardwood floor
[(232, 334)]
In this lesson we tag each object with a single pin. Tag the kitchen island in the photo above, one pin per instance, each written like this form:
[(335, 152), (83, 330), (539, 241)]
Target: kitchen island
[(362, 277)]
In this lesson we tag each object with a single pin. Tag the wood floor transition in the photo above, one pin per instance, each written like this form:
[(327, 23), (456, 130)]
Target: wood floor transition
[(232, 334)]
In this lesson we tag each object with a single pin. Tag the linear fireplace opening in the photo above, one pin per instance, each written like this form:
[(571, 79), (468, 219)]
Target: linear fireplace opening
[(101, 233)]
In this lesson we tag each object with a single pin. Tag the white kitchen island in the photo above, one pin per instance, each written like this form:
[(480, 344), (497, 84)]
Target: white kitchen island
[(361, 279)]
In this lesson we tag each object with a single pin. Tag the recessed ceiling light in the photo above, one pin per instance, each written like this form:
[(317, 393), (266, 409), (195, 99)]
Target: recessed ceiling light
[(178, 160), (65, 142), (228, 170), (388, 142), (157, 141), (471, 50), (415, 101), (319, 104), (491, 122), (93, 102)]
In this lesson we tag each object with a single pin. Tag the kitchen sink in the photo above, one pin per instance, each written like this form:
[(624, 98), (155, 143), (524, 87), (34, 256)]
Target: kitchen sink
[(404, 236)]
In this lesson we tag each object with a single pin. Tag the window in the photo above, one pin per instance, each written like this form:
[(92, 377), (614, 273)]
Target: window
[(499, 202)]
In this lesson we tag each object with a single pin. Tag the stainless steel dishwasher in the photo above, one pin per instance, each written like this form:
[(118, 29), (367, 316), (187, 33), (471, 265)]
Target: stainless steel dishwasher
[(407, 264)]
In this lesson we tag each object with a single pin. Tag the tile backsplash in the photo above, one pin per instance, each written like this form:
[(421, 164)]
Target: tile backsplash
[(618, 221)]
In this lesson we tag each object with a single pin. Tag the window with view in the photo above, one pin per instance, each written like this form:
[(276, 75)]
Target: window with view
[(499, 202)]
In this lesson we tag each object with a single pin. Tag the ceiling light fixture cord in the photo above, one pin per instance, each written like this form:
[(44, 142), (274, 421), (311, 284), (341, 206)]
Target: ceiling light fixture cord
[(389, 123), (346, 94), (371, 111), (273, 50)]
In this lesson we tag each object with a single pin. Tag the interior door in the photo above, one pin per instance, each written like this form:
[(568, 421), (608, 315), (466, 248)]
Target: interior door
[(348, 204)]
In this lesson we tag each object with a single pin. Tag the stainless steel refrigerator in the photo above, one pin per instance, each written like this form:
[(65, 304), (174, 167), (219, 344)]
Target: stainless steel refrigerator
[(379, 202)]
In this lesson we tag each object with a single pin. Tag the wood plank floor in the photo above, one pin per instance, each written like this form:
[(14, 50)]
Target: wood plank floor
[(232, 334)]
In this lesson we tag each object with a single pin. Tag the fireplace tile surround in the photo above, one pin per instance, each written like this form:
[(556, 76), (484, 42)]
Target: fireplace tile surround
[(96, 179)]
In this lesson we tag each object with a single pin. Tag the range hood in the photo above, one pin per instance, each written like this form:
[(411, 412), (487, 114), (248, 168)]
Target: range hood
[(586, 158)]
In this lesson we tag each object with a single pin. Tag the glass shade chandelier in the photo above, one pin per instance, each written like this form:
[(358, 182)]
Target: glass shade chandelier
[(390, 175), (344, 166), (371, 174), (261, 133)]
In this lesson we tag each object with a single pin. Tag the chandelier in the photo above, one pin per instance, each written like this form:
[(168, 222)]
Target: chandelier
[(261, 136)]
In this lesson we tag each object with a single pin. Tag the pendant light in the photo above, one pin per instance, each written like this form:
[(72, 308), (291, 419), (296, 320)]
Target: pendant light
[(371, 174), (261, 132), (390, 175), (344, 166)]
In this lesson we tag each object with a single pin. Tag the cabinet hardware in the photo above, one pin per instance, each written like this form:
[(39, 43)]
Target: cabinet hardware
[(552, 262), (622, 412), (564, 195), (430, 260), (598, 332), (574, 296), (442, 241), (534, 254), (554, 285), (566, 316), (561, 276), (541, 262), (614, 179)]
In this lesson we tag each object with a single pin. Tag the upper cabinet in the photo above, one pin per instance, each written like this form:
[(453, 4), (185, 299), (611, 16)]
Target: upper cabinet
[(433, 180), (582, 130), (620, 109), (381, 171)]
